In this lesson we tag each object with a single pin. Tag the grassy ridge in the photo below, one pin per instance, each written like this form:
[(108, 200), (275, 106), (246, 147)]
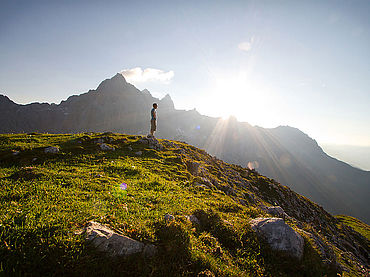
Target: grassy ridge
[(356, 224), (47, 198)]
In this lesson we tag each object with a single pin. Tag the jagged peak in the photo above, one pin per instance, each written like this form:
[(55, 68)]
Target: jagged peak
[(145, 91), (117, 82), (167, 101)]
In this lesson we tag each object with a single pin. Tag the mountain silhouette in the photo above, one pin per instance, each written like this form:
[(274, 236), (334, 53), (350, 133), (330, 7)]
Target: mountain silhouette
[(283, 153)]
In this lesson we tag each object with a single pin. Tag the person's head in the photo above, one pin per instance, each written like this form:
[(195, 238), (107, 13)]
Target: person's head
[(155, 105)]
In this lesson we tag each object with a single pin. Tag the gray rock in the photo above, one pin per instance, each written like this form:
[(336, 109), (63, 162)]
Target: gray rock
[(138, 153), (15, 153), (277, 211), (129, 148), (193, 219), (279, 235), (193, 167), (152, 142), (169, 217), (106, 240), (144, 141), (99, 140), (51, 149), (106, 147)]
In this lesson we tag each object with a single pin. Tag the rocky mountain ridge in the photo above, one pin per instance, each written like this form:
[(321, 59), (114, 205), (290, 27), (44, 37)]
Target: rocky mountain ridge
[(283, 153)]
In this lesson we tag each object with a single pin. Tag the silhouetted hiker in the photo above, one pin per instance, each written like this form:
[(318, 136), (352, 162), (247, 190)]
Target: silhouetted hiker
[(153, 121)]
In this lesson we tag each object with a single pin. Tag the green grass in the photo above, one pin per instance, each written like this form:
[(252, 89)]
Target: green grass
[(47, 198), (356, 225)]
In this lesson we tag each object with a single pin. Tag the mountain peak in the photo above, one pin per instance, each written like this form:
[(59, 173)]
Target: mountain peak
[(145, 91), (116, 83), (119, 77), (167, 102)]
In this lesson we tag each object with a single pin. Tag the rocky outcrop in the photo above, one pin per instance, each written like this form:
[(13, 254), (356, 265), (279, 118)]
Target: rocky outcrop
[(279, 235), (106, 147), (108, 241), (51, 150), (152, 142)]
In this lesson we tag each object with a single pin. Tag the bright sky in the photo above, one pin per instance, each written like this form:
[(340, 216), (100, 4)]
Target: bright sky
[(300, 63)]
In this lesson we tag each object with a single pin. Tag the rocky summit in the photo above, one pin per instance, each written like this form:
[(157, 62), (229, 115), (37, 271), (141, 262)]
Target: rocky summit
[(127, 205)]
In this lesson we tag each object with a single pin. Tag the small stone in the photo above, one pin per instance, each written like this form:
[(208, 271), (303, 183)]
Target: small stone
[(106, 147), (51, 149), (276, 211), (144, 141), (129, 148), (138, 153), (193, 219), (99, 140), (169, 217), (15, 153)]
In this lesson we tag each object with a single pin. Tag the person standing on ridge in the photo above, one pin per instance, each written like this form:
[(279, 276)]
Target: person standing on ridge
[(153, 121)]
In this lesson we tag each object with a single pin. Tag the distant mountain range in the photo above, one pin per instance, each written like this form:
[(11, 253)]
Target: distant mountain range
[(283, 153)]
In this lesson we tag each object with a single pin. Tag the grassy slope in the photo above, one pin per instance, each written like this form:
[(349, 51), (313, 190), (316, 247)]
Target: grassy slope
[(46, 198), (356, 225)]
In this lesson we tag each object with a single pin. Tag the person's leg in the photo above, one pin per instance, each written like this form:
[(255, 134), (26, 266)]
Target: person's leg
[(152, 127)]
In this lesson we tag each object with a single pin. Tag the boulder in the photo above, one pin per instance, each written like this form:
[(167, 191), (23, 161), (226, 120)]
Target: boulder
[(106, 240), (51, 149), (279, 235), (106, 147)]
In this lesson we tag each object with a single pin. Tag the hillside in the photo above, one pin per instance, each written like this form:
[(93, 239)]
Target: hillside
[(283, 153), (193, 208)]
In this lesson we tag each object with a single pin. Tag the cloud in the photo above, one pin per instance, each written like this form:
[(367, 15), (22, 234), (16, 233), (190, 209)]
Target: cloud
[(137, 75), (246, 45)]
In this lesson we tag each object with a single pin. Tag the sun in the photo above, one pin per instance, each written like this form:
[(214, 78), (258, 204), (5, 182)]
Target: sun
[(241, 96)]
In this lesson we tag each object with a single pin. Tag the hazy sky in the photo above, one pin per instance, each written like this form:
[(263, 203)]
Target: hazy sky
[(300, 63)]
